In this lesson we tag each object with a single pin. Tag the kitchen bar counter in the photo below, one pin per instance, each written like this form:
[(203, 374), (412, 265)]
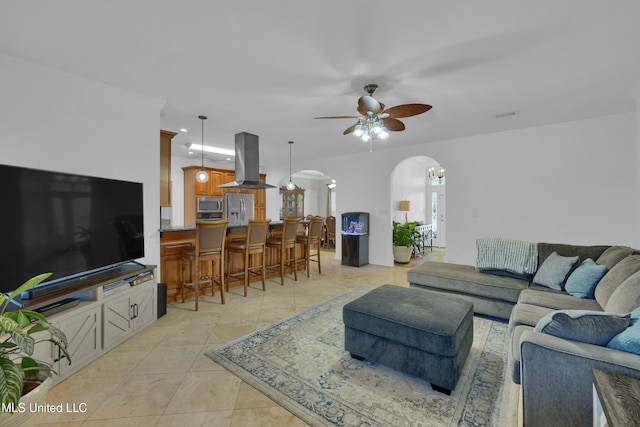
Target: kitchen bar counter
[(193, 227), (173, 240)]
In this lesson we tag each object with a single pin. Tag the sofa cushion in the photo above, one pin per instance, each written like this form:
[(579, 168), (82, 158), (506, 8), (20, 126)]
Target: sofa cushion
[(553, 271), (584, 279), (557, 300), (583, 252), (527, 314), (614, 277), (466, 280), (629, 339), (613, 255), (626, 297), (592, 327)]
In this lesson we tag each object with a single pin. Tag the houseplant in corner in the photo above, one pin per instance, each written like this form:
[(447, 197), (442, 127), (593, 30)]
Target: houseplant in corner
[(404, 235), (22, 378)]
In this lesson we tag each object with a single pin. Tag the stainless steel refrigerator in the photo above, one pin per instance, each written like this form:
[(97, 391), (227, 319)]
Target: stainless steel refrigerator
[(238, 208)]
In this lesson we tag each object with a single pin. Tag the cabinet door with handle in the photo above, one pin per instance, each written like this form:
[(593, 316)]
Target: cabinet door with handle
[(145, 306), (117, 320), (83, 331)]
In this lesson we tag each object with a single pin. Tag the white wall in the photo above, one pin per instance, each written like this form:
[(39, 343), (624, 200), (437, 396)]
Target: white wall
[(635, 93), (409, 182), (572, 182), (55, 121)]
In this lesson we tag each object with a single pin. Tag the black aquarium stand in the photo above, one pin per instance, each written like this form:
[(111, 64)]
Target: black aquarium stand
[(355, 239)]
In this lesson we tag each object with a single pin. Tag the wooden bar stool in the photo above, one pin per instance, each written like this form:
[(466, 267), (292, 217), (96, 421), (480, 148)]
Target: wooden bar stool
[(286, 246), (312, 240), (253, 244), (210, 237)]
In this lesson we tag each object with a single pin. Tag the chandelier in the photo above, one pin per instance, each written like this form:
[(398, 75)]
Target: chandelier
[(436, 173), (370, 125)]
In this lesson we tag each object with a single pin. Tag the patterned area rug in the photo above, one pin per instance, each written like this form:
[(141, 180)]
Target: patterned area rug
[(301, 364)]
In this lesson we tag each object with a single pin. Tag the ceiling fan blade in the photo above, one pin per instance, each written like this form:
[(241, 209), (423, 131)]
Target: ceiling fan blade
[(337, 117), (393, 124), (407, 110), (349, 130)]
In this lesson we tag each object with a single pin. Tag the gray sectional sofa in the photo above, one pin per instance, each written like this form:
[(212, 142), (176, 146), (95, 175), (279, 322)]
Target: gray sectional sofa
[(555, 373)]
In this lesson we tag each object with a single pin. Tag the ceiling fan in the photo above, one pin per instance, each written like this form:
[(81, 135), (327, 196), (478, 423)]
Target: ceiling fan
[(375, 120)]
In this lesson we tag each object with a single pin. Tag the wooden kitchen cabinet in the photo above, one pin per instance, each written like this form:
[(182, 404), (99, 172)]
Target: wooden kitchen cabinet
[(194, 189), (165, 167)]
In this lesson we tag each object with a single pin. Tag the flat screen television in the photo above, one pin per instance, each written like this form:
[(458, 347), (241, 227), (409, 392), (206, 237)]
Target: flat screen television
[(69, 225)]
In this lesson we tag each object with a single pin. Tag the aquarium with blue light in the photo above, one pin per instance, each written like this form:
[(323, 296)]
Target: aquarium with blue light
[(355, 223)]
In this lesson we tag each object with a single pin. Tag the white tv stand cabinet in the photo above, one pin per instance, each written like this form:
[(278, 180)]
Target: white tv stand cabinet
[(110, 310)]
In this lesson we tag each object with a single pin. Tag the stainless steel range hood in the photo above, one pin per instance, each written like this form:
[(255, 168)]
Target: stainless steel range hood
[(247, 164)]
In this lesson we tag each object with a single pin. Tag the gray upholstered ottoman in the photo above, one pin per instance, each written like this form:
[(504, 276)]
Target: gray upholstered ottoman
[(415, 331)]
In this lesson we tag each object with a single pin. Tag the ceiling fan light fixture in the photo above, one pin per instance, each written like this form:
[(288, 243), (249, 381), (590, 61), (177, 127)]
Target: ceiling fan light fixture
[(375, 119)]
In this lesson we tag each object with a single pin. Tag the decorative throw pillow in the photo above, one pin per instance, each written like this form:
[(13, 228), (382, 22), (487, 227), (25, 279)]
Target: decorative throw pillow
[(584, 279), (592, 327), (554, 270), (629, 339)]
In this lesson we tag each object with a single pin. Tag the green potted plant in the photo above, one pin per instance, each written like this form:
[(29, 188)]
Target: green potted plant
[(19, 372), (404, 235)]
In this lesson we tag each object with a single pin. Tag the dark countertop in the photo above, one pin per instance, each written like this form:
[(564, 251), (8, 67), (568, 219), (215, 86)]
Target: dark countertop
[(193, 227), (178, 228)]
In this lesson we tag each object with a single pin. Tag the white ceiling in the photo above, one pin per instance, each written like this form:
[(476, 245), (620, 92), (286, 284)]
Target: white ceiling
[(270, 67)]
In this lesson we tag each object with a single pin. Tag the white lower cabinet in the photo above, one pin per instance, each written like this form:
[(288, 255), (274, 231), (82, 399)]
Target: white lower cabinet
[(98, 323), (123, 313), (83, 332), (83, 327)]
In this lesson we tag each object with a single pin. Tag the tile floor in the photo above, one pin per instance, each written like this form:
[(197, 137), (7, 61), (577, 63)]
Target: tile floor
[(160, 377)]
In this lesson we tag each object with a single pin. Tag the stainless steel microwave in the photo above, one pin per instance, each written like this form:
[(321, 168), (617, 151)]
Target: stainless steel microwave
[(209, 204)]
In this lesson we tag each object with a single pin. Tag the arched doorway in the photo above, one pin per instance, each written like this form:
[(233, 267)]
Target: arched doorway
[(411, 182), (319, 191)]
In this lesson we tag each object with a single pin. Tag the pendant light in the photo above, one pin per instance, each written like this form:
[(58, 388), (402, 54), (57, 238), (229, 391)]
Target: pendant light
[(202, 175), (290, 185)]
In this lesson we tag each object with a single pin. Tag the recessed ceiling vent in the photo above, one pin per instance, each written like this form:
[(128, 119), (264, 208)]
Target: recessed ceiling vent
[(507, 114)]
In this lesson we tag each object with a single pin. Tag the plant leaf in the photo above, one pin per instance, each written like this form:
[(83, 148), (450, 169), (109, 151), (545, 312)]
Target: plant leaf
[(30, 367), (34, 315), (24, 341), (34, 281), (58, 336), (10, 382), (7, 324)]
